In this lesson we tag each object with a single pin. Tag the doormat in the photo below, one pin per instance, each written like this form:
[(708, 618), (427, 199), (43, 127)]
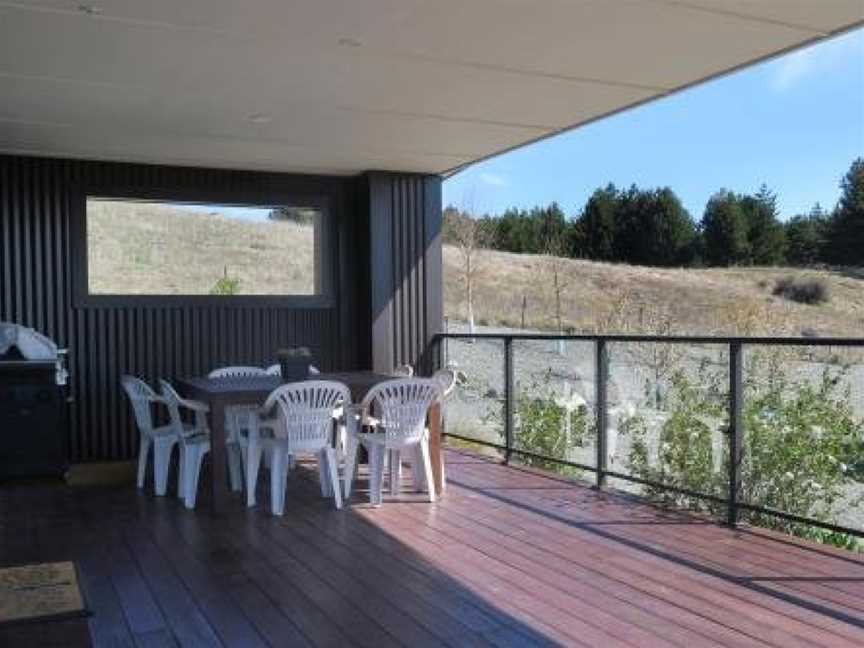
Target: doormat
[(45, 591)]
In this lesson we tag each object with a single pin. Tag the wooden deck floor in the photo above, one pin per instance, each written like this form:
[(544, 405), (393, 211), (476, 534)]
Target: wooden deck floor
[(508, 558)]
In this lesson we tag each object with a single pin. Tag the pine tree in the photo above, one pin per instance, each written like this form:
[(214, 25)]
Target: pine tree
[(805, 237), (725, 231), (765, 234), (846, 229), (598, 224)]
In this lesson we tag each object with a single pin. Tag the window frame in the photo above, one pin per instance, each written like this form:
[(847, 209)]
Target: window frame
[(323, 200)]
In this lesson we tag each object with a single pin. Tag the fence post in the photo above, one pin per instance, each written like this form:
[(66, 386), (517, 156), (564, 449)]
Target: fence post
[(736, 432), (508, 398), (601, 377)]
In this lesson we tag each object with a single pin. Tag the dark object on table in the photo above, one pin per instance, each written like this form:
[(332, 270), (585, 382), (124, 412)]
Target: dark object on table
[(32, 404), (294, 363)]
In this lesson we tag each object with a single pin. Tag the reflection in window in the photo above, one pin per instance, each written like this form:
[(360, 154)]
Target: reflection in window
[(172, 248)]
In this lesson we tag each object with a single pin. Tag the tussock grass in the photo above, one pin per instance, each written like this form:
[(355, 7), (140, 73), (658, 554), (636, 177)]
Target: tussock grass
[(607, 297), (142, 248), (157, 249)]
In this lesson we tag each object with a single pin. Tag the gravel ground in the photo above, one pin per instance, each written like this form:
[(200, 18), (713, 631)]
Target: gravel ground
[(565, 369)]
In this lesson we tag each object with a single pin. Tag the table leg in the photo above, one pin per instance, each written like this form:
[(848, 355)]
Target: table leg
[(218, 459), (435, 451)]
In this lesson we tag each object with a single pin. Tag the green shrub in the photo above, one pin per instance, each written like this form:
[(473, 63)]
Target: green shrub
[(226, 285), (543, 428), (801, 446)]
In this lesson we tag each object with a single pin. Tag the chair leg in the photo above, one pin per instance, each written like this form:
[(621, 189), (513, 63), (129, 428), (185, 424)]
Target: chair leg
[(324, 473), (333, 470), (350, 465), (278, 481), (377, 454), (161, 461), (181, 471), (427, 469), (194, 459), (253, 464), (395, 472), (341, 442), (235, 467), (418, 473), (143, 454)]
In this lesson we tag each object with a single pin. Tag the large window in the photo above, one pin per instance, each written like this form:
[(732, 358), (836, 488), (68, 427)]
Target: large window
[(138, 247)]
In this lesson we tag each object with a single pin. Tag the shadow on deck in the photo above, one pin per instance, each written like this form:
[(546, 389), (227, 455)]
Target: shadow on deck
[(508, 558)]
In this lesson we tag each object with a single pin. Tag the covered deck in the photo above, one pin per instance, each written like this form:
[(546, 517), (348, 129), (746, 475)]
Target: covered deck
[(509, 557)]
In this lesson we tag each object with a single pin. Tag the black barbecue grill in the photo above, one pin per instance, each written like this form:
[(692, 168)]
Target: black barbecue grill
[(32, 404)]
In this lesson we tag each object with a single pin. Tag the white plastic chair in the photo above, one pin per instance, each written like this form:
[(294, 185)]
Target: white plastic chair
[(236, 423), (162, 438), (194, 440), (301, 415), (276, 370), (446, 380), (400, 407), (403, 371)]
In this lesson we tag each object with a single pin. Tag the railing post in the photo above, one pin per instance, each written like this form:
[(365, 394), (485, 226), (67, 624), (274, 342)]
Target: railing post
[(508, 399), (736, 432), (601, 377)]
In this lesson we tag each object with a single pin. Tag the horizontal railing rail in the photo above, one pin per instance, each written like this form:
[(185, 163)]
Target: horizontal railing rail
[(674, 339), (734, 430)]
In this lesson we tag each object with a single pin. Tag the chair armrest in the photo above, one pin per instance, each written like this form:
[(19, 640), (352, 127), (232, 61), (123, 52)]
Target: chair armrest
[(195, 406)]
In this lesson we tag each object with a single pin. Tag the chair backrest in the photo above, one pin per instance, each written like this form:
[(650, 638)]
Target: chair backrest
[(142, 397), (400, 406), (446, 379), (172, 401), (231, 372), (403, 371), (305, 412)]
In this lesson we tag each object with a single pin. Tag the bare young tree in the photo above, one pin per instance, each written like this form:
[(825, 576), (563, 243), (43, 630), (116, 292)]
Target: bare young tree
[(554, 253), (469, 235)]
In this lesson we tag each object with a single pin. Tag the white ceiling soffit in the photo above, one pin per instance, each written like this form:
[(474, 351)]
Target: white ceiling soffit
[(342, 86)]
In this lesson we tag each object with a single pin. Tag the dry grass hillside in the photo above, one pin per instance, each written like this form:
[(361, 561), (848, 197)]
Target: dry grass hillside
[(142, 248), (606, 297), (147, 248)]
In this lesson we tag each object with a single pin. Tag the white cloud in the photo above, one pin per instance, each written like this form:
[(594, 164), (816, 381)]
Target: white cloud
[(793, 68), (790, 70), (493, 180)]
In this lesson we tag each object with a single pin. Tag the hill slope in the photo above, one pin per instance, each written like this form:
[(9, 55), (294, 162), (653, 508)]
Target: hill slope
[(142, 248), (150, 248), (607, 297)]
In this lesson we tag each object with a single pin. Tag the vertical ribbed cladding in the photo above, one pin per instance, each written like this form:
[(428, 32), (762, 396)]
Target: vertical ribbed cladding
[(405, 211), (37, 203)]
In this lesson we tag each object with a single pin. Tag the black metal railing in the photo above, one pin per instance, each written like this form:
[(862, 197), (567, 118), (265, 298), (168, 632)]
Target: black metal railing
[(734, 430)]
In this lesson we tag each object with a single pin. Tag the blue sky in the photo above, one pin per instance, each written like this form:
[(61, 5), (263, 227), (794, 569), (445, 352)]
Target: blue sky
[(794, 123)]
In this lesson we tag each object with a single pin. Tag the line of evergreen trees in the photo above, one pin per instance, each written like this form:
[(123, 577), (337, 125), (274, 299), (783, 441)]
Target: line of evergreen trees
[(651, 227)]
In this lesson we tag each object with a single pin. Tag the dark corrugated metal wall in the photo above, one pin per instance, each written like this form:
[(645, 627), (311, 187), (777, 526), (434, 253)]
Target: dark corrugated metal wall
[(36, 289), (405, 219)]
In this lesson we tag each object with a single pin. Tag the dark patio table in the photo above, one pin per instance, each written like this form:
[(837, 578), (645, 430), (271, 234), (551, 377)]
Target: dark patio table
[(220, 393)]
